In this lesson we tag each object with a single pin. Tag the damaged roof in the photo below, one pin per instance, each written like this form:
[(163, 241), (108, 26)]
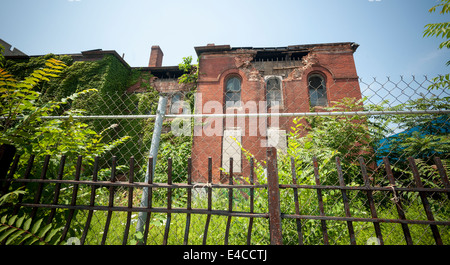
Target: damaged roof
[(292, 48)]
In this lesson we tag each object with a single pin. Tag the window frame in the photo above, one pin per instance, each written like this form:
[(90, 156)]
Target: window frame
[(280, 81), (236, 103), (324, 87)]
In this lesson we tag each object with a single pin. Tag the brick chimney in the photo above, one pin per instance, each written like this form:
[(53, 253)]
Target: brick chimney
[(156, 57)]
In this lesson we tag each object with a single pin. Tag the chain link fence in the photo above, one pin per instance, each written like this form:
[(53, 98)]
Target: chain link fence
[(394, 117)]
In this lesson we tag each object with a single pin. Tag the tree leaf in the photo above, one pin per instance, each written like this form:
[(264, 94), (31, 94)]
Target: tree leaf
[(36, 226), (14, 236), (12, 220), (27, 224)]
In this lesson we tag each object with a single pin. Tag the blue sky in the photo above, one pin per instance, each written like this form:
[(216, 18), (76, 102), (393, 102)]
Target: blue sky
[(389, 32)]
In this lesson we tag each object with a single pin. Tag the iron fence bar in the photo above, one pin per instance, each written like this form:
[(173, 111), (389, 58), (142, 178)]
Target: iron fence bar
[(274, 198), (189, 202), (345, 200), (366, 220), (230, 202), (74, 199), (111, 201), (239, 214), (130, 202), (396, 200), (57, 189), (40, 187), (149, 199), (224, 186), (426, 204), (169, 201), (297, 206), (363, 188), (91, 202), (252, 198), (208, 217), (442, 173), (373, 210), (320, 200), (161, 185)]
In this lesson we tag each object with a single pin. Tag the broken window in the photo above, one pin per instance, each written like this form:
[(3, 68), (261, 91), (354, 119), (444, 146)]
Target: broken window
[(233, 92), (231, 148), (273, 92), (277, 138), (317, 91)]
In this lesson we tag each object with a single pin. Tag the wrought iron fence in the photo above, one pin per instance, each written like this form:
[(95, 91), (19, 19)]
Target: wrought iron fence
[(257, 212)]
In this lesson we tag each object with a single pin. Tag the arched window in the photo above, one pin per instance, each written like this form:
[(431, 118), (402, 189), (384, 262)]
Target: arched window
[(233, 92), (273, 92), (317, 91)]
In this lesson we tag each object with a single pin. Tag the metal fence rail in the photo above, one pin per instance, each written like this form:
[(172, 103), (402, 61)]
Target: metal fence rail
[(89, 220)]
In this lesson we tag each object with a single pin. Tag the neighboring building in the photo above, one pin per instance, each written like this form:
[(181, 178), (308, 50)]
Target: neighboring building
[(289, 79), (10, 51)]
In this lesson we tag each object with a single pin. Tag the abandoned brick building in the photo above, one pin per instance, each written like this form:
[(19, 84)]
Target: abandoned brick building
[(292, 79)]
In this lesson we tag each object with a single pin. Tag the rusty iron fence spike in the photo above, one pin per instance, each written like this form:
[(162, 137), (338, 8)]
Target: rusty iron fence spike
[(208, 217), (345, 199), (149, 201), (424, 199), (252, 198), (296, 202), (169, 201), (40, 187), (130, 202), (91, 202), (230, 202), (320, 201), (442, 173), (373, 210), (110, 202), (398, 204), (274, 198), (189, 202)]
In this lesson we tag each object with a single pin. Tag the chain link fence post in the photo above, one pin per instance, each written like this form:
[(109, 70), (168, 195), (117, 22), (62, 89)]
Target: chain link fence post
[(162, 103)]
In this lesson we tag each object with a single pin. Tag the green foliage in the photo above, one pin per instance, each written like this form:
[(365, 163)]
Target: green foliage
[(11, 196), (440, 30), (20, 106), (346, 136), (190, 71), (17, 230)]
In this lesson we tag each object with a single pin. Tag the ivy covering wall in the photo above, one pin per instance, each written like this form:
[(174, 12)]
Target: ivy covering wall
[(111, 78)]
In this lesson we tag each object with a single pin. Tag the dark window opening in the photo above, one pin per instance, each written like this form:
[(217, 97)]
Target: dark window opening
[(273, 92), (233, 92), (317, 91)]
